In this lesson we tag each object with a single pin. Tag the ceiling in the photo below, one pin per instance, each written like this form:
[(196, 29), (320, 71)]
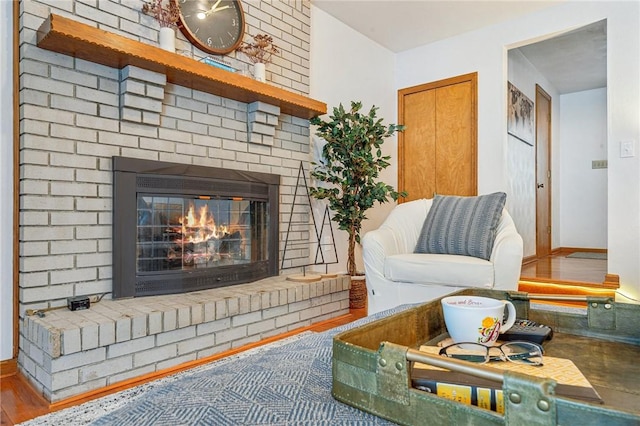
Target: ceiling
[(572, 62)]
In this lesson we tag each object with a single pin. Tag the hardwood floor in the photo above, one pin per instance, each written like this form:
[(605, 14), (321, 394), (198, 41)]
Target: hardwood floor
[(20, 402), (565, 270)]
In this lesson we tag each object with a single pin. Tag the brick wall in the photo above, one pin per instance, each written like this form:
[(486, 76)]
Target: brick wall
[(75, 115)]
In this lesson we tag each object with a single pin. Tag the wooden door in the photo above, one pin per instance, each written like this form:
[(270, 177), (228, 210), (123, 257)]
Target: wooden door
[(437, 153), (543, 173)]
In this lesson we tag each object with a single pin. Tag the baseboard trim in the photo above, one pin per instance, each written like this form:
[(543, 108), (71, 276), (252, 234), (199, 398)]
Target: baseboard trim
[(8, 367), (569, 250)]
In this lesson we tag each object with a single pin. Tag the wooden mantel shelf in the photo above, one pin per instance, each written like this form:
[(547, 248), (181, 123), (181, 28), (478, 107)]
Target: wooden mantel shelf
[(82, 41)]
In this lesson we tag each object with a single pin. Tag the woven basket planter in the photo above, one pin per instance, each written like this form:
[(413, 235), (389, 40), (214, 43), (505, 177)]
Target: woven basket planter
[(358, 293)]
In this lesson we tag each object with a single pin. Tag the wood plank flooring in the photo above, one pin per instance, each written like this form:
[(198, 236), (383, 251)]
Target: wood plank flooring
[(20, 402), (566, 270)]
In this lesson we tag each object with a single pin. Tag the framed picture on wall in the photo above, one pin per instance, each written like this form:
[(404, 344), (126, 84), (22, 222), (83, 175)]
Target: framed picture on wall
[(520, 115)]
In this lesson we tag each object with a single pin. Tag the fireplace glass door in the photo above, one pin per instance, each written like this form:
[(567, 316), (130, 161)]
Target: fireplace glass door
[(178, 233)]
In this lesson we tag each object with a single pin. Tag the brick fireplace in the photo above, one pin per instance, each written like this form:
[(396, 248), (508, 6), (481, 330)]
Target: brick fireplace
[(83, 105)]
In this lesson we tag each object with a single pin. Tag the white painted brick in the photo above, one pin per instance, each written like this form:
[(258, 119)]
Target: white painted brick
[(197, 344), (137, 73), (130, 347), (221, 132), (288, 319), (176, 336), (138, 326), (78, 359), (34, 248), (135, 87), (106, 368), (123, 329), (47, 85), (169, 320), (193, 127), (129, 374), (70, 276), (261, 327), (209, 312), (74, 189), (90, 232), (212, 327), (95, 176), (231, 334), (155, 322), (34, 279), (156, 92), (184, 317), (97, 149), (131, 114), (89, 337), (71, 342), (86, 260), (34, 187), (157, 144), (96, 96), (82, 388), (64, 379), (96, 15), (43, 263), (154, 355), (191, 104), (140, 102), (151, 118), (193, 150), (73, 104), (93, 204), (73, 133), (245, 319)]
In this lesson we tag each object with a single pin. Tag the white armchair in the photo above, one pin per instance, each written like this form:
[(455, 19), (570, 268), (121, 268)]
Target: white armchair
[(396, 275)]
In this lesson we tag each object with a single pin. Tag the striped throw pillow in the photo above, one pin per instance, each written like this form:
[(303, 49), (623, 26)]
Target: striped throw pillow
[(462, 225)]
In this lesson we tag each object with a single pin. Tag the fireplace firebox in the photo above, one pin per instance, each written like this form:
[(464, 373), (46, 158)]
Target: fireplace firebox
[(180, 228)]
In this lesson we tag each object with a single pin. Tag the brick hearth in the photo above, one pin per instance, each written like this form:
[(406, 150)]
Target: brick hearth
[(76, 352)]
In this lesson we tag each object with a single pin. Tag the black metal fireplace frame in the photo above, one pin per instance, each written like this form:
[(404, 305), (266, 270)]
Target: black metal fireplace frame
[(132, 176)]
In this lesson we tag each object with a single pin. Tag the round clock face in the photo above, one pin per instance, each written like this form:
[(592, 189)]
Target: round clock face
[(215, 26)]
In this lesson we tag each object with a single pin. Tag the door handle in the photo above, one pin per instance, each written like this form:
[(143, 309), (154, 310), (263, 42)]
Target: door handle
[(541, 185)]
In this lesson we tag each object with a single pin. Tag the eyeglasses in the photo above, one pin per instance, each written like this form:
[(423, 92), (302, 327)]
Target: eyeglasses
[(519, 352)]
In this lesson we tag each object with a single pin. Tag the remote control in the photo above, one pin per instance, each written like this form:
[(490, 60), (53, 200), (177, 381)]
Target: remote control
[(529, 331)]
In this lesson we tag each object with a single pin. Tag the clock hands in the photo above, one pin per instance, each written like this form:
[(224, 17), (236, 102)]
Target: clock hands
[(213, 10)]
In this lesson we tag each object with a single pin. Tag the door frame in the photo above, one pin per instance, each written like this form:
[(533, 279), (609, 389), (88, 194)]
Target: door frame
[(540, 250)]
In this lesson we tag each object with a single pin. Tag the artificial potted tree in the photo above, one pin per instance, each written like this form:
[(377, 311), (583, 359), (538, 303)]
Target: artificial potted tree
[(348, 172)]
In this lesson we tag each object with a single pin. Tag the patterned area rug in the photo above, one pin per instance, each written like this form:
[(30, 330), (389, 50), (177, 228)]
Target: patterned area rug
[(286, 384)]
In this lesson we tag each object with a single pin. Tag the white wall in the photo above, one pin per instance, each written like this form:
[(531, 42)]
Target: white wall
[(583, 200), (521, 157), (484, 51), (346, 66), (6, 181)]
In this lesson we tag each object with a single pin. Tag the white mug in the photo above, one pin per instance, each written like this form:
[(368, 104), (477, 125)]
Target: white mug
[(476, 319)]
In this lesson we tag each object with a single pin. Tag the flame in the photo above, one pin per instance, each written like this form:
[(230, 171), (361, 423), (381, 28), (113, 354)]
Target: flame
[(201, 227)]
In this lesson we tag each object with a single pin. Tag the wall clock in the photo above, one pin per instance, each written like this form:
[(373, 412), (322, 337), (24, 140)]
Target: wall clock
[(214, 26)]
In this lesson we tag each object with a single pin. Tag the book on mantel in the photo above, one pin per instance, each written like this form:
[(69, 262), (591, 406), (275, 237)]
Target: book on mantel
[(484, 393)]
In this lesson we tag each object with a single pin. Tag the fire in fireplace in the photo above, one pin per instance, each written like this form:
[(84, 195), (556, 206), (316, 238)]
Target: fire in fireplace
[(181, 228)]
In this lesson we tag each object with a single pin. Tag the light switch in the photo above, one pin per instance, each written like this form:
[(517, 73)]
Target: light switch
[(627, 149)]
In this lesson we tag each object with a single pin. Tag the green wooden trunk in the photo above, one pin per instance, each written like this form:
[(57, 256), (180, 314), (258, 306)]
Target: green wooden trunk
[(372, 367)]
